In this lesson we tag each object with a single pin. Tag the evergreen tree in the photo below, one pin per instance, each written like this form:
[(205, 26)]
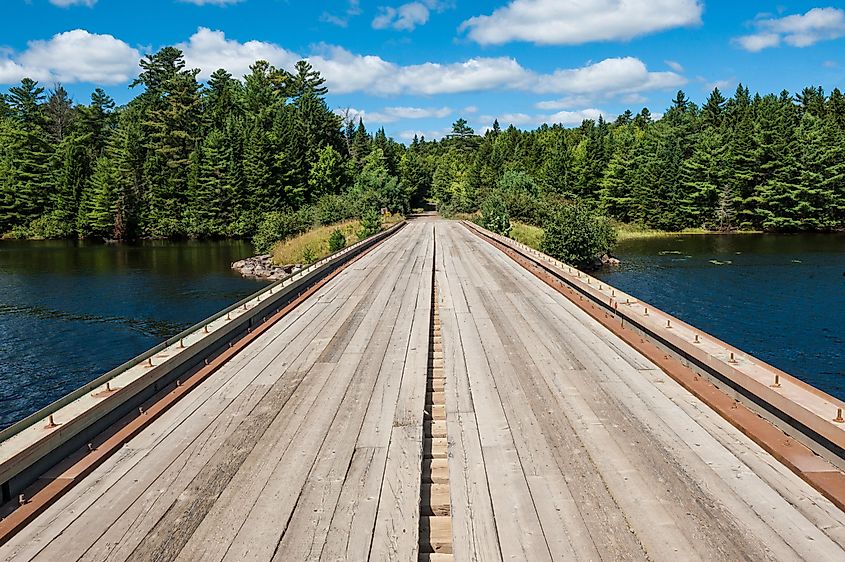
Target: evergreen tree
[(703, 182)]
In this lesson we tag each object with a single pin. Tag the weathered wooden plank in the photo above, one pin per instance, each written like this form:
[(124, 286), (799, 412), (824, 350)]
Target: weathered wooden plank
[(517, 523), (305, 535), (396, 533), (350, 533)]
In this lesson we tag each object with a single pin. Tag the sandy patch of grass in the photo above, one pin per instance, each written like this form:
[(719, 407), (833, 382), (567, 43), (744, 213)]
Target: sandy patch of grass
[(635, 232), (527, 234), (314, 244)]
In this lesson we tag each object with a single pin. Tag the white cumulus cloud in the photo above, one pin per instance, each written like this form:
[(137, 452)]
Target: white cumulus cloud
[(349, 72), (609, 77), (561, 117), (572, 22), (72, 56), (80, 56), (393, 114), (210, 2), (68, 3), (404, 18), (209, 50), (799, 30)]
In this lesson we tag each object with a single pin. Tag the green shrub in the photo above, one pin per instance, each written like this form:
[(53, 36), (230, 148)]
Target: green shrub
[(277, 226), (50, 226), (521, 196), (575, 234), (333, 208), (337, 241), (370, 223), (245, 225), (494, 214), (309, 256)]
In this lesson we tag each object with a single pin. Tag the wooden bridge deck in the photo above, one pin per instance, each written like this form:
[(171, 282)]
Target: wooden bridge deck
[(563, 442)]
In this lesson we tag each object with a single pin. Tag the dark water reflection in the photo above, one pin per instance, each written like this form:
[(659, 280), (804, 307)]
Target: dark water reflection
[(71, 311), (778, 297)]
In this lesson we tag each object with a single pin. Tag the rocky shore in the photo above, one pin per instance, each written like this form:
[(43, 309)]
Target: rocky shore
[(262, 267)]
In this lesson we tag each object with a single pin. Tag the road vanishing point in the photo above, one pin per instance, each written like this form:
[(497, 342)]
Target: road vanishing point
[(445, 394)]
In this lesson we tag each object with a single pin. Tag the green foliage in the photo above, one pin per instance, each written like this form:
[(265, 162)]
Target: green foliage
[(182, 159), (230, 157), (520, 194), (309, 255), (370, 223), (494, 214), (278, 225), (577, 235), (337, 241), (334, 208)]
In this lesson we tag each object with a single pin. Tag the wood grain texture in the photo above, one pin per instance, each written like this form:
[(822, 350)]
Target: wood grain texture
[(564, 443)]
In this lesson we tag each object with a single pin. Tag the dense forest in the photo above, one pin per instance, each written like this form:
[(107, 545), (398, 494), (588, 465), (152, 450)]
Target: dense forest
[(266, 156), (773, 162), (184, 159)]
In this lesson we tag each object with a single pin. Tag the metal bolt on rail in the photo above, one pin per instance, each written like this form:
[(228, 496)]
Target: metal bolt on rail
[(205, 328), (668, 323), (21, 500), (776, 383), (696, 339), (646, 312), (732, 359), (51, 422), (839, 418), (149, 362), (90, 447)]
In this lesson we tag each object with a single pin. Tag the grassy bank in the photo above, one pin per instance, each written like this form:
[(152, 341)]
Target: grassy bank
[(313, 245), (527, 234), (637, 232), (533, 235)]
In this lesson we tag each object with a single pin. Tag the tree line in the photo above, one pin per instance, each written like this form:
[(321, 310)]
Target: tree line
[(266, 157), (227, 158), (767, 162)]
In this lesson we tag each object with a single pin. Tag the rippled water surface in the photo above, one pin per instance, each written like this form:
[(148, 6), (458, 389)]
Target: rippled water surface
[(71, 311), (778, 297)]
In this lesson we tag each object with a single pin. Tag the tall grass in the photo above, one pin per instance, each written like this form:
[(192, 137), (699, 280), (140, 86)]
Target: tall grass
[(313, 245), (636, 232), (527, 234)]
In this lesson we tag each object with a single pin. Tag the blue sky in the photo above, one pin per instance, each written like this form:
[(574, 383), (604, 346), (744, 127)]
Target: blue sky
[(414, 66)]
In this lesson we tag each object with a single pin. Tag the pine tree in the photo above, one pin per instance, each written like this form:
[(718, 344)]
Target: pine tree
[(618, 181), (703, 178), (713, 108), (211, 192), (98, 121), (59, 114), (327, 175)]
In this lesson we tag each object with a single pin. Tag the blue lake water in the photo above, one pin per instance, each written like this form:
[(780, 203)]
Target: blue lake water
[(71, 311), (778, 297)]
